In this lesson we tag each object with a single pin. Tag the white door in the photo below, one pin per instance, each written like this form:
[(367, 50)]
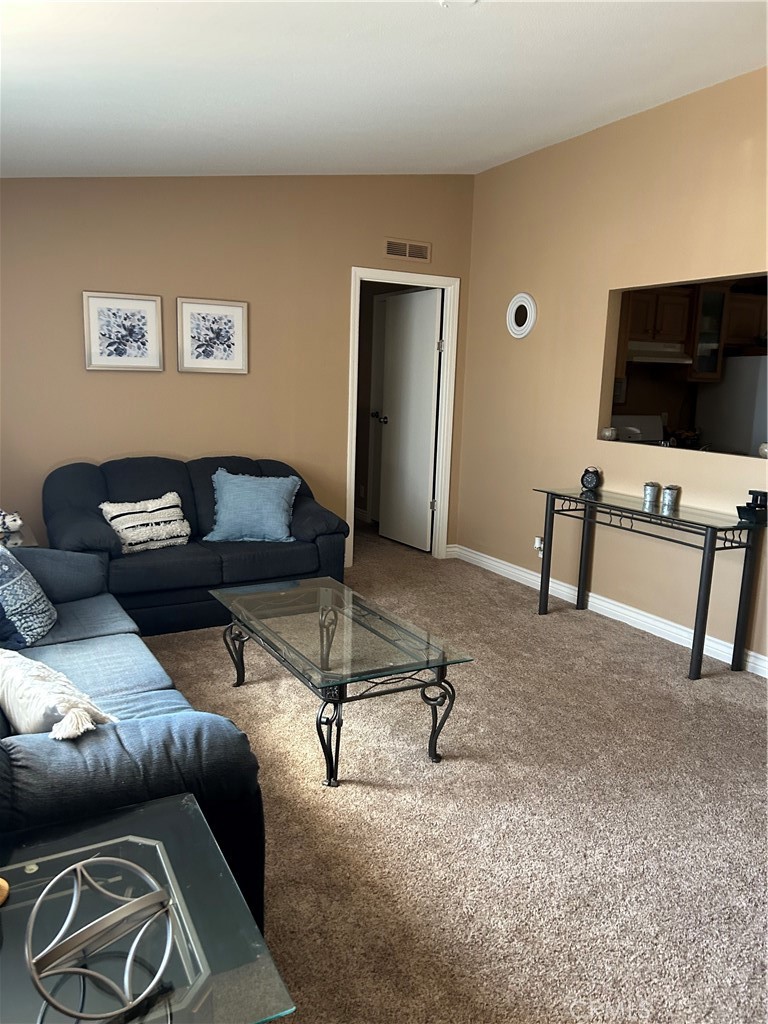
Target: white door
[(409, 416)]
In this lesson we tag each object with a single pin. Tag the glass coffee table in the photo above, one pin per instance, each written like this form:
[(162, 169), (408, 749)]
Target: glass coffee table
[(343, 648), (210, 960)]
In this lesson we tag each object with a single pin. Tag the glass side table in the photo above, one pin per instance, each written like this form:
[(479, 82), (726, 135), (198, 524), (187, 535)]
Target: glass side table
[(219, 971)]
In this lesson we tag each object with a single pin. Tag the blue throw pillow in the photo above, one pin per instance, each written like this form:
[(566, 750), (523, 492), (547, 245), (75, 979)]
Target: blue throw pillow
[(26, 614), (253, 507)]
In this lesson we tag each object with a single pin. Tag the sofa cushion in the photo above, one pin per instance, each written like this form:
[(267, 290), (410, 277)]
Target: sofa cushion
[(246, 561), (143, 705), (91, 617), (140, 477), (253, 507), (26, 614), (201, 476), (193, 565), (78, 486), (37, 698), (106, 666)]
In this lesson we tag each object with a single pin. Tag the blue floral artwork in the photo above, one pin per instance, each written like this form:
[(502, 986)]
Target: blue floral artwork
[(212, 336), (123, 333)]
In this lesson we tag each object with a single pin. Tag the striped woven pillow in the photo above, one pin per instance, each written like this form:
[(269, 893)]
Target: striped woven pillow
[(147, 525)]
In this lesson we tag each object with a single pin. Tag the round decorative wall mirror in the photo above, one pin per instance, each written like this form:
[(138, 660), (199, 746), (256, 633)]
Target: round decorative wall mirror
[(521, 315)]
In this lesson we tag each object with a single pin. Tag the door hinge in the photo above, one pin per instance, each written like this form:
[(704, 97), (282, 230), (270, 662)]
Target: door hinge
[(441, 345), (432, 506)]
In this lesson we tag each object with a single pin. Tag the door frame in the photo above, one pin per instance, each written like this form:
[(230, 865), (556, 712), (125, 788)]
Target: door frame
[(446, 392)]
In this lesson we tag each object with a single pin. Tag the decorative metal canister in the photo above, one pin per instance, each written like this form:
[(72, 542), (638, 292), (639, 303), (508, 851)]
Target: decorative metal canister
[(670, 496), (651, 493)]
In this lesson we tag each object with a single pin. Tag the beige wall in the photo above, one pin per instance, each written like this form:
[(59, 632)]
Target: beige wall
[(673, 194), (285, 245)]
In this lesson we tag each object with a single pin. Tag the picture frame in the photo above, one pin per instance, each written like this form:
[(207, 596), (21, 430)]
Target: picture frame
[(212, 336), (122, 331)]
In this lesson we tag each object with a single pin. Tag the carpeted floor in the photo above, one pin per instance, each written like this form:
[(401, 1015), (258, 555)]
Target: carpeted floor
[(591, 848)]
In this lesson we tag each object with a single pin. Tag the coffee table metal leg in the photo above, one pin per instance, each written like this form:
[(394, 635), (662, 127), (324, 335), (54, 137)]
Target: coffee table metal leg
[(444, 699), (326, 723), (235, 640)]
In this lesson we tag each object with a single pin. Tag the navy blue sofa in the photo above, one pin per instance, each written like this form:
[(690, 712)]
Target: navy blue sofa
[(161, 746), (167, 591)]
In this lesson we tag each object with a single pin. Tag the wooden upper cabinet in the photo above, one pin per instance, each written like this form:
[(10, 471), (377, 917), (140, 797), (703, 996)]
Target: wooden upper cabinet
[(642, 315), (659, 314), (746, 319), (673, 313)]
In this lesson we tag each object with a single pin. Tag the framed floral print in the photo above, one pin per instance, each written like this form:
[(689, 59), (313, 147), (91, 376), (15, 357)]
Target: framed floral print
[(213, 336), (122, 332)]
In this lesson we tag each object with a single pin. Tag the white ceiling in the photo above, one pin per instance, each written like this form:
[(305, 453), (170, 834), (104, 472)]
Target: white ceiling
[(186, 88)]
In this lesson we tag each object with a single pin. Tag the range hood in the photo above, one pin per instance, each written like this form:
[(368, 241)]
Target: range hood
[(657, 352)]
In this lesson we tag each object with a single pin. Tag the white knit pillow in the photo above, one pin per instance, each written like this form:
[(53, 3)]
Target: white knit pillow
[(37, 698), (146, 525)]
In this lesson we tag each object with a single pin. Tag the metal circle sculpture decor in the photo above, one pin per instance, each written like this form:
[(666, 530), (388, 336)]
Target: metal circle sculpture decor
[(66, 954), (521, 315)]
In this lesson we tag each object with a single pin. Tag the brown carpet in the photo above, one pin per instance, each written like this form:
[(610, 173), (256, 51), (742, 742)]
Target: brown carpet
[(591, 848)]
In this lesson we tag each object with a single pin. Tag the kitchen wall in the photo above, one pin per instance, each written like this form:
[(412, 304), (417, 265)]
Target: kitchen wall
[(284, 245), (673, 194)]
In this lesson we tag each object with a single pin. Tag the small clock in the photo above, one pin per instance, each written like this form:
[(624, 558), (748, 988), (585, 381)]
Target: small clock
[(591, 478)]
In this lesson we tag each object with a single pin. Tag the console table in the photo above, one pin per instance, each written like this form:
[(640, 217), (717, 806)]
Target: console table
[(708, 532)]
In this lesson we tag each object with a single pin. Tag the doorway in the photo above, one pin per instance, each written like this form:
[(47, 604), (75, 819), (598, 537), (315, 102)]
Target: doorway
[(401, 474)]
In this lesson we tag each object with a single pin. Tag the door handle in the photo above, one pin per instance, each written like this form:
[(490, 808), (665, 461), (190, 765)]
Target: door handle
[(384, 419)]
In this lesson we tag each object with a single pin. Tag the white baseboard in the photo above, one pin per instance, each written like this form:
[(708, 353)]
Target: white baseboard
[(668, 630)]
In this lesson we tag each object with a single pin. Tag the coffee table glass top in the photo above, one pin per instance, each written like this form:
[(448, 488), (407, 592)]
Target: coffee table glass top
[(220, 969), (329, 636)]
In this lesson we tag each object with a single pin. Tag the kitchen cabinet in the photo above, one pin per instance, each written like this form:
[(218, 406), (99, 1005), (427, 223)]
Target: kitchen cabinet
[(659, 315), (654, 322), (709, 332), (745, 320)]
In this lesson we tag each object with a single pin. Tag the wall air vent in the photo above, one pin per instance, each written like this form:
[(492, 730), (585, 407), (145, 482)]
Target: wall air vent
[(402, 249)]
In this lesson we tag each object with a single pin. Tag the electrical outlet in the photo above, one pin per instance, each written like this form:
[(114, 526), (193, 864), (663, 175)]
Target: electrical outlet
[(538, 546)]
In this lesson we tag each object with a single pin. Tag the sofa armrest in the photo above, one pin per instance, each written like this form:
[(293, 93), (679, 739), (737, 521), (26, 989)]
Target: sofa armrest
[(46, 782), (123, 763), (65, 575), (311, 520), (80, 530)]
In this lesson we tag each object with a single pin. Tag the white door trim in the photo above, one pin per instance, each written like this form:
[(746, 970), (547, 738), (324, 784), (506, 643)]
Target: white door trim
[(450, 286)]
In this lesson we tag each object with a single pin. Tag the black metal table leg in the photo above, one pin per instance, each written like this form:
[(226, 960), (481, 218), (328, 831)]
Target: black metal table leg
[(745, 599), (585, 558), (444, 699), (328, 621), (327, 724), (546, 555), (702, 602), (235, 640)]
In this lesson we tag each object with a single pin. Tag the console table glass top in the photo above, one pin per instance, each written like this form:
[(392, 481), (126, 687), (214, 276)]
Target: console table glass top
[(220, 970), (684, 515), (329, 636)]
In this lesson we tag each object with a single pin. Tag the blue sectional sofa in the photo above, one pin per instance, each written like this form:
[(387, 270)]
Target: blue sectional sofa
[(160, 746), (167, 590)]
